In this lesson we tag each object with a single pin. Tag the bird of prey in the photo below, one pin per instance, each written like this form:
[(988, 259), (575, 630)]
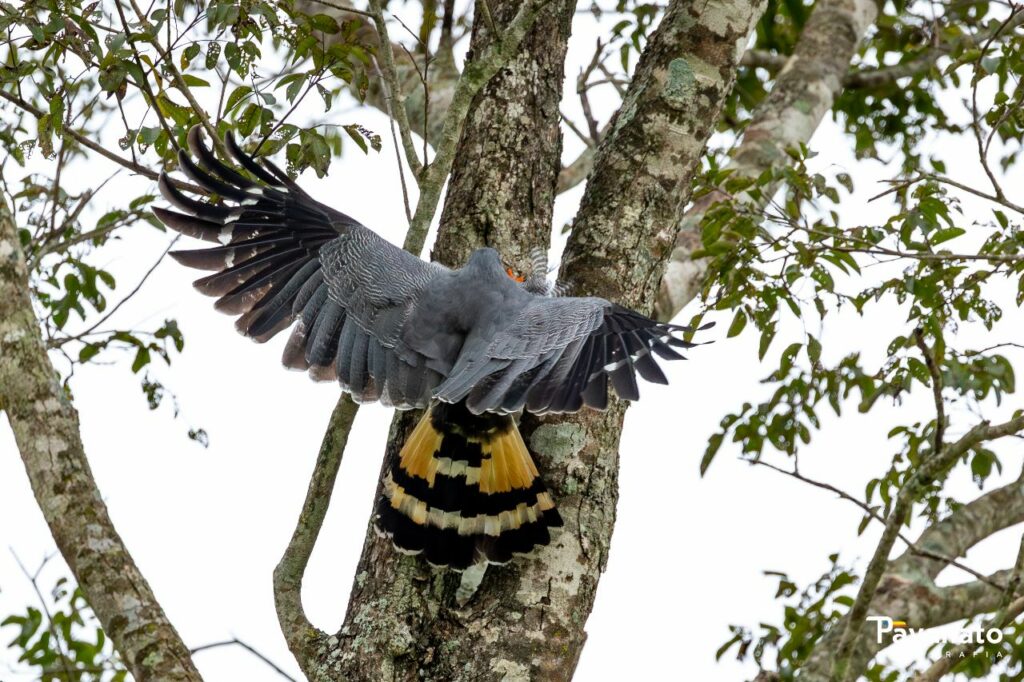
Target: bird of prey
[(472, 344)]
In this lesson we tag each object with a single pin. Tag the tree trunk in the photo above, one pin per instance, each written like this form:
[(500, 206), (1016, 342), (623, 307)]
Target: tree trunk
[(527, 619), (45, 426)]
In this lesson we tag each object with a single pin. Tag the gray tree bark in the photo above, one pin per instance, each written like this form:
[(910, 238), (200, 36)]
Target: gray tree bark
[(45, 426)]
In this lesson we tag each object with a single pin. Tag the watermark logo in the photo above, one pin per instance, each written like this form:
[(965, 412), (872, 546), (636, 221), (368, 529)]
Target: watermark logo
[(889, 628)]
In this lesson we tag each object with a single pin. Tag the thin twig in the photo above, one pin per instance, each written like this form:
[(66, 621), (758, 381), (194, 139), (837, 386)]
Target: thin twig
[(180, 83), (91, 144), (976, 118), (343, 8), (252, 650), (911, 545), (583, 89), (485, 9), (33, 578), (398, 154), (933, 370), (110, 313), (144, 85), (393, 90)]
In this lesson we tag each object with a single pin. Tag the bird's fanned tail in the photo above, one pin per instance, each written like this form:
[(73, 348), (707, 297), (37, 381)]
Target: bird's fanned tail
[(465, 490)]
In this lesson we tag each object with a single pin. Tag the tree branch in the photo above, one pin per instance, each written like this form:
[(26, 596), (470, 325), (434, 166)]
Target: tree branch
[(304, 640), (932, 467), (45, 426), (787, 117), (393, 90)]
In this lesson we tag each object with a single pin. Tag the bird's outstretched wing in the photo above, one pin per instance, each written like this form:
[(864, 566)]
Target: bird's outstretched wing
[(284, 256), (387, 325), (559, 354)]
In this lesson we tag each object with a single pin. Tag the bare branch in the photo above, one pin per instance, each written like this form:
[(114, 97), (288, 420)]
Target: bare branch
[(577, 171), (915, 548), (933, 371), (303, 638)]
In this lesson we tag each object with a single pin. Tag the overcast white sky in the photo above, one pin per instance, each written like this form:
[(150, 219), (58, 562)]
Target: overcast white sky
[(207, 526)]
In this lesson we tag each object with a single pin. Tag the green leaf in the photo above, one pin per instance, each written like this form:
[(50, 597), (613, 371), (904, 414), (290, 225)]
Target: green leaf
[(212, 55), (946, 234), (142, 359), (813, 349), (236, 96), (738, 323), (88, 352), (714, 443), (188, 54), (767, 335), (57, 112), (194, 81), (325, 23)]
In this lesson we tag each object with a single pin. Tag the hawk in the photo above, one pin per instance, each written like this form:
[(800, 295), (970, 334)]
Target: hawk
[(472, 346)]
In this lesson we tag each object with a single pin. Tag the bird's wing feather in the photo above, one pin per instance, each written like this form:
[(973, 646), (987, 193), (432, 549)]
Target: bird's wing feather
[(283, 256), (560, 354)]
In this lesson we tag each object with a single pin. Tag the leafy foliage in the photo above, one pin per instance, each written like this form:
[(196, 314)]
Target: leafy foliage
[(76, 71), (946, 268), (808, 612), (62, 642)]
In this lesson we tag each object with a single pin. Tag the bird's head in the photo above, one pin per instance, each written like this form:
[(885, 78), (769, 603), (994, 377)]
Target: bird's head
[(489, 259)]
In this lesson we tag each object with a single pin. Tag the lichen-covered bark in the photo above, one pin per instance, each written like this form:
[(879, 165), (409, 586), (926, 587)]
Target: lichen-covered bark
[(45, 428), (502, 190), (803, 93), (641, 179), (527, 619)]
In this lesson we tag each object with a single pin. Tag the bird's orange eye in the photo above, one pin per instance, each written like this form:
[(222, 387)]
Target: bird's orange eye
[(513, 275)]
